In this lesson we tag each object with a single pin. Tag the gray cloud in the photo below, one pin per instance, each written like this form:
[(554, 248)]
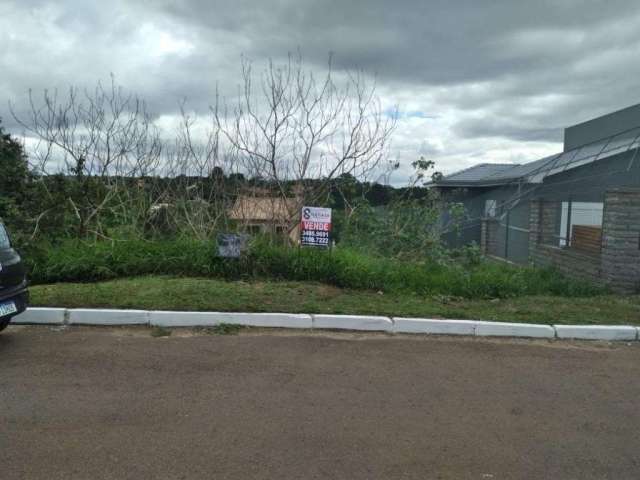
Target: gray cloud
[(486, 74)]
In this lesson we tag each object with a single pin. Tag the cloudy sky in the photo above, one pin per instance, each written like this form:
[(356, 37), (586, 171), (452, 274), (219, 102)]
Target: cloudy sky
[(475, 80)]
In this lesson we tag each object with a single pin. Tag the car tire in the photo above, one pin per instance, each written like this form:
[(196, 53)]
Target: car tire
[(4, 322)]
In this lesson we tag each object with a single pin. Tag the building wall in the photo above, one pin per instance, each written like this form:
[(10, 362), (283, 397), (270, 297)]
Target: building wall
[(489, 238), (474, 200), (621, 240), (470, 230), (601, 127), (513, 233), (545, 252), (617, 266), (590, 182), (587, 183), (568, 262)]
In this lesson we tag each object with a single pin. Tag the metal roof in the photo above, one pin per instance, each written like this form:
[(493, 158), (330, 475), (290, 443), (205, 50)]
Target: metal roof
[(492, 174), (477, 173)]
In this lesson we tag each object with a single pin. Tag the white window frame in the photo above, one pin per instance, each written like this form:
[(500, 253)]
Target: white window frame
[(490, 208)]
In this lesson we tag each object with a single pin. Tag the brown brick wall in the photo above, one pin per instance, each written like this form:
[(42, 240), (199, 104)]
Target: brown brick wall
[(567, 261), (488, 236), (618, 266), (621, 240)]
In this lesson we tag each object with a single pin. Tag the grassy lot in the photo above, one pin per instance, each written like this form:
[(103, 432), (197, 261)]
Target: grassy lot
[(171, 293)]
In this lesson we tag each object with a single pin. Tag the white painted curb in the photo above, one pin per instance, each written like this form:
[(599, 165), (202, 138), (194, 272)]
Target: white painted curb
[(40, 316), (90, 316), (353, 322), (434, 326), (597, 332), (206, 319), (182, 319), (279, 320), (499, 329)]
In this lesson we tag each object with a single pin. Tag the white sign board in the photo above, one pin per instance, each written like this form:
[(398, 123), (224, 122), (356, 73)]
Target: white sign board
[(315, 226), (231, 245)]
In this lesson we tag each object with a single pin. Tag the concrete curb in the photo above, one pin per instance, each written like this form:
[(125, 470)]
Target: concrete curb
[(434, 327), (277, 320), (597, 332), (429, 326), (527, 330), (41, 316), (208, 319), (353, 322), (182, 319), (91, 316)]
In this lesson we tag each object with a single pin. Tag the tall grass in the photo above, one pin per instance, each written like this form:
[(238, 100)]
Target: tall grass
[(81, 262)]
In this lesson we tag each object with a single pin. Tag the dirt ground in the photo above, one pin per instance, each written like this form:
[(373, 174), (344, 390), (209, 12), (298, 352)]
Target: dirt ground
[(117, 403)]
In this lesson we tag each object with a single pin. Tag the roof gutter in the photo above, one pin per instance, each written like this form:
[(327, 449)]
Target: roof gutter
[(502, 182)]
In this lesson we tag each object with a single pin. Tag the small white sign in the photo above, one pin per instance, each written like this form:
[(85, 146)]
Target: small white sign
[(7, 309)]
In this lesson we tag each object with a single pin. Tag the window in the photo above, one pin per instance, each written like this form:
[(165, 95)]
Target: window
[(582, 214), (4, 237), (254, 229), (490, 208)]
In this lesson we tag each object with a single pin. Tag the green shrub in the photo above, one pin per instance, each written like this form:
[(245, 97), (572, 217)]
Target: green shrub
[(471, 278)]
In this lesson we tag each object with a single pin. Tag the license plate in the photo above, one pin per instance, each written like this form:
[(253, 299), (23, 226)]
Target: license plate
[(7, 309)]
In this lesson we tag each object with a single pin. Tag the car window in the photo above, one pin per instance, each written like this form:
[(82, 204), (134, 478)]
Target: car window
[(4, 237)]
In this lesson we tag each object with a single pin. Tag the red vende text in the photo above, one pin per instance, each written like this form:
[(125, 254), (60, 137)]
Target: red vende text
[(316, 226)]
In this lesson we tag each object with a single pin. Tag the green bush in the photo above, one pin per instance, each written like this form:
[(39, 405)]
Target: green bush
[(470, 278)]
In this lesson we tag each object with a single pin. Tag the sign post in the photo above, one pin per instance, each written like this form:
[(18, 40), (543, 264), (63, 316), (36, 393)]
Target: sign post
[(315, 227)]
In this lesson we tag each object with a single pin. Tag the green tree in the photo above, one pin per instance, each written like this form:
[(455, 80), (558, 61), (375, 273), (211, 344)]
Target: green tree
[(409, 226), (14, 180)]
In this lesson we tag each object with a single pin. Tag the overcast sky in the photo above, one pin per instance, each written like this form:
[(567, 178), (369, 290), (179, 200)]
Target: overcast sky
[(475, 81)]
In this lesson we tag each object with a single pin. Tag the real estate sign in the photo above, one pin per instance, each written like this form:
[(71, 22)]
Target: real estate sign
[(315, 227)]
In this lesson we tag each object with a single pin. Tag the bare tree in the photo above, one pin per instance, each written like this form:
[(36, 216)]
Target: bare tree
[(294, 126), (103, 134), (287, 140), (199, 194)]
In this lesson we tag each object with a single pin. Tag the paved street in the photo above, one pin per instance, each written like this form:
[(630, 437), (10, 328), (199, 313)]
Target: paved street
[(98, 403)]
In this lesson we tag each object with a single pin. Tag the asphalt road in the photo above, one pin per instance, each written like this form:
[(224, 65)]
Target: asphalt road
[(90, 403)]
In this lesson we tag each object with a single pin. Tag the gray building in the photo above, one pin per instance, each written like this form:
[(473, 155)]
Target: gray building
[(570, 210)]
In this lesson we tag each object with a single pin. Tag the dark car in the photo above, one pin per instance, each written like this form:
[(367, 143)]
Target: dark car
[(13, 282)]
